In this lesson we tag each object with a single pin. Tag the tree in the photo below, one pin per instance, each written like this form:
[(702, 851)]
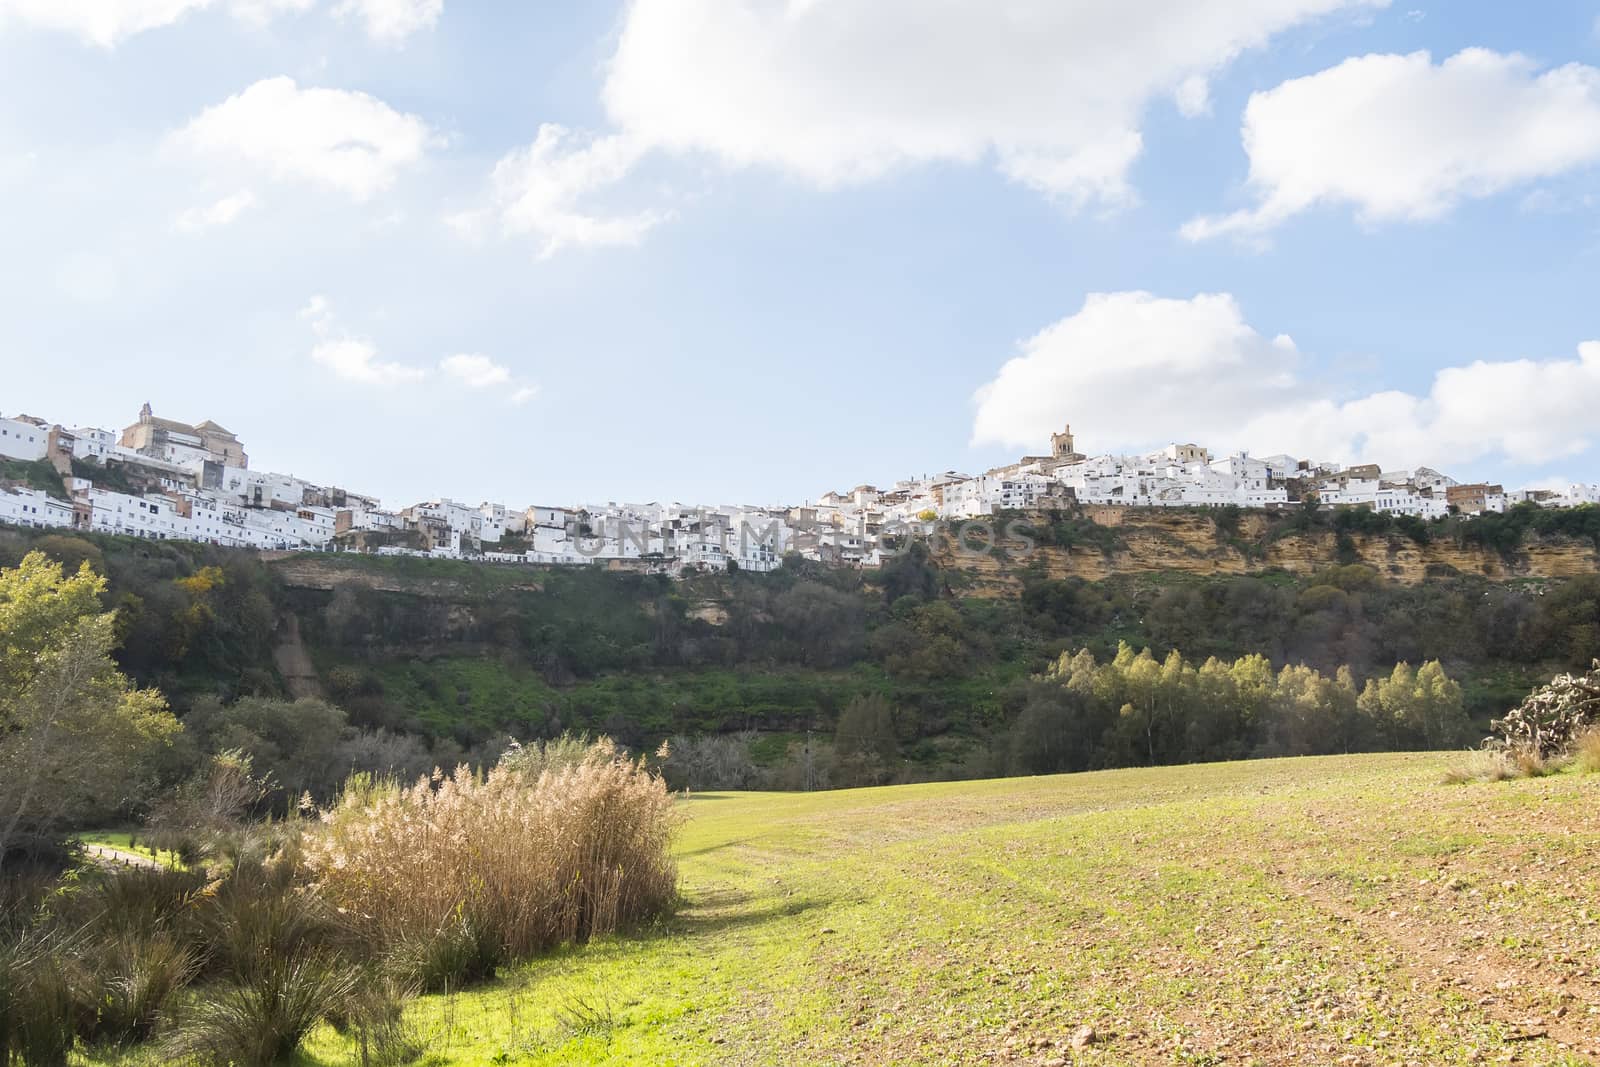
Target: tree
[(294, 744), (1055, 732), (1440, 717), (75, 735), (823, 627), (866, 728)]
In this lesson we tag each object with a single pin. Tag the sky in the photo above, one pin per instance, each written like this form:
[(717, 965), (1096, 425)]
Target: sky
[(747, 251)]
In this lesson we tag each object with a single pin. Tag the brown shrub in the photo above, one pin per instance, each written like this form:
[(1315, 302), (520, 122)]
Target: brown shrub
[(534, 854), (1586, 751), (1482, 766)]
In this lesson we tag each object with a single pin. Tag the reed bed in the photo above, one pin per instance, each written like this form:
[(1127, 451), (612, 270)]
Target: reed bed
[(457, 873)]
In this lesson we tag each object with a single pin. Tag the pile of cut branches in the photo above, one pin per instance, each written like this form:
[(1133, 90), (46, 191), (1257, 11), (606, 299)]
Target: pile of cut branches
[(1552, 716)]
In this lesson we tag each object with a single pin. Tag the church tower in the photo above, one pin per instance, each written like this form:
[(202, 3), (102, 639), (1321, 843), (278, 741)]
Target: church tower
[(1062, 445)]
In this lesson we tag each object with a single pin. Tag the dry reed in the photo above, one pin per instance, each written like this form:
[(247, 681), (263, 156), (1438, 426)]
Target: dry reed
[(517, 861)]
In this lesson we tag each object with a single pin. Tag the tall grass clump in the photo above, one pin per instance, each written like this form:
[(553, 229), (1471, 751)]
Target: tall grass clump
[(39, 1006), (457, 873), (1586, 751), (279, 959)]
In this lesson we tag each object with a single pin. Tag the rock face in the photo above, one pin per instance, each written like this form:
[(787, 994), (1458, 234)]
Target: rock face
[(1151, 540), (311, 571)]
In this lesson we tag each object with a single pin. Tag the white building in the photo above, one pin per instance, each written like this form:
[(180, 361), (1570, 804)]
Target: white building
[(23, 440), (31, 507)]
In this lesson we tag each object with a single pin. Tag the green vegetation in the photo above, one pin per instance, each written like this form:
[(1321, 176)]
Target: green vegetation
[(130, 840), (75, 737), (276, 927), (1045, 917), (424, 661), (35, 474), (1207, 914)]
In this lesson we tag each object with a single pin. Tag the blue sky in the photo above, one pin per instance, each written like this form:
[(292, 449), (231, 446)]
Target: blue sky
[(781, 246)]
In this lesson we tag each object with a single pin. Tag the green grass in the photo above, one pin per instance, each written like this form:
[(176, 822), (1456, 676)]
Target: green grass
[(1331, 910), (127, 840)]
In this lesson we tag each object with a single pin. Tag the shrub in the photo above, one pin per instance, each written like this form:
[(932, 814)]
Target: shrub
[(373, 1016), (456, 954), (1553, 716), (258, 916), (1482, 766), (132, 901), (1586, 751), (99, 960), (38, 1011), (134, 978), (279, 957), (502, 866), (262, 1019), (712, 762)]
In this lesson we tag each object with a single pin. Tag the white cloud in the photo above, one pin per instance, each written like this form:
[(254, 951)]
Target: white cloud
[(100, 22), (840, 91), (475, 371), (538, 191), (1193, 97), (332, 137), (1130, 370), (261, 12), (354, 359), (1400, 138), (220, 213), (480, 372), (109, 22), (392, 20)]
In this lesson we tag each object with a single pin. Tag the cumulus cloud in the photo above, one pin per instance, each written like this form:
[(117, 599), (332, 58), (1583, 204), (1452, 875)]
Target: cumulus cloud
[(392, 20), (108, 22), (1402, 138), (355, 359), (100, 22), (339, 139), (475, 371), (1132, 370), (219, 213), (539, 191), (836, 91), (480, 372), (1193, 97)]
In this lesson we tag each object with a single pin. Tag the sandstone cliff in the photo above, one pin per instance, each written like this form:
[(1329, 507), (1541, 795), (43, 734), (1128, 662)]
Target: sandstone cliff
[(1161, 540)]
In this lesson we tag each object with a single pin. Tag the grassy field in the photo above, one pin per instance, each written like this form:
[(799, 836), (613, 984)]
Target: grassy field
[(1336, 910), (128, 841)]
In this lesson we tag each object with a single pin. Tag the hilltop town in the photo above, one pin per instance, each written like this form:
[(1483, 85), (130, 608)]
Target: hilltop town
[(163, 479)]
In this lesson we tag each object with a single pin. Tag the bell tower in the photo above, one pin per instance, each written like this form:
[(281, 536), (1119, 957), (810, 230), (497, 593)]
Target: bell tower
[(1062, 445)]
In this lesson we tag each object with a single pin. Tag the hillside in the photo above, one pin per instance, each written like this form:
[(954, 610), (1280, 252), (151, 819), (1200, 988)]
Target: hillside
[(457, 655), (1336, 910), (1108, 541)]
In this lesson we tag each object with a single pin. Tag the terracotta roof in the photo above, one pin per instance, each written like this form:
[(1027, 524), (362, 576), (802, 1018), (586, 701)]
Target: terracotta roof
[(169, 424)]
